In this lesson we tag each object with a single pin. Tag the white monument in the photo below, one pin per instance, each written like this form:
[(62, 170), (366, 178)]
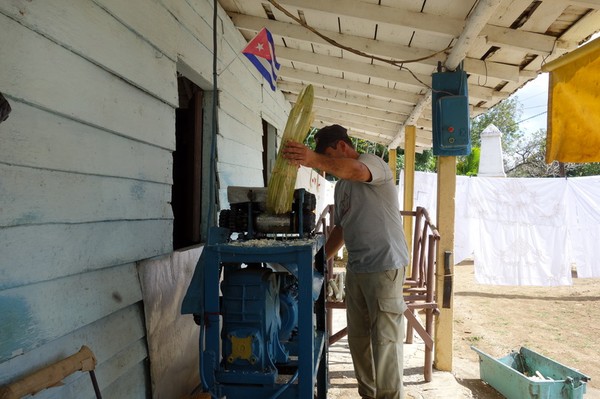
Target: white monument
[(490, 158)]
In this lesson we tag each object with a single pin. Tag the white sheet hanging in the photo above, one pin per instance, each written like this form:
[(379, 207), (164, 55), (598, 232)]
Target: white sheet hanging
[(583, 221), (523, 231)]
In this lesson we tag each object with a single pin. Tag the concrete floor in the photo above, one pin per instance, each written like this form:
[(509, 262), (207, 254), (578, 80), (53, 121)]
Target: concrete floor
[(443, 385)]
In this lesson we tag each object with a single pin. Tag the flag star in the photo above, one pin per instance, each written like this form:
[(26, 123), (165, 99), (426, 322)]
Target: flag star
[(259, 47)]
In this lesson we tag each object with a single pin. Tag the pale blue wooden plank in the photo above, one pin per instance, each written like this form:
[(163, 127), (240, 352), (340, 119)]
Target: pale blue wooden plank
[(43, 252), (132, 385), (123, 374), (38, 313), (37, 138), (105, 337), (63, 197), (45, 74), (88, 30)]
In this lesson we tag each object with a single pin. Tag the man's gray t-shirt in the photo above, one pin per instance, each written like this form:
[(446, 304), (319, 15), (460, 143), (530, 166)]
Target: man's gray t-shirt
[(369, 215)]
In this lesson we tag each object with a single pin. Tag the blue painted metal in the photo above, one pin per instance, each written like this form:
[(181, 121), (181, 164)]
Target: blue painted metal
[(450, 112), (267, 323), (514, 376)]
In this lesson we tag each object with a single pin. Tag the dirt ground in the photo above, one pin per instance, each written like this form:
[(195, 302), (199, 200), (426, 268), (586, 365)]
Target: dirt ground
[(561, 323)]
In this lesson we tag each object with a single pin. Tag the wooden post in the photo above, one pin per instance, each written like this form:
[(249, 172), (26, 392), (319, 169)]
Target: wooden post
[(446, 182), (410, 140)]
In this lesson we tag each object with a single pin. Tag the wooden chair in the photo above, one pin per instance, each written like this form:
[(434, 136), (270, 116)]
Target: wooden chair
[(419, 289)]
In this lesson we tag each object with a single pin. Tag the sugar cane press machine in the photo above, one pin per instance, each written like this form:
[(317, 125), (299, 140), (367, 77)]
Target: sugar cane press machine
[(257, 294)]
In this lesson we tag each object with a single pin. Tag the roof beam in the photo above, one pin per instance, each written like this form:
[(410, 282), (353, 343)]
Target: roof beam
[(346, 84), (392, 116), (341, 95), (526, 41), (530, 42), (585, 3), (375, 47), (482, 13), (360, 68), (381, 14)]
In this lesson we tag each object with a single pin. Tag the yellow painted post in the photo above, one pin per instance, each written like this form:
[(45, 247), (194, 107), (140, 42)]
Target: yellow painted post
[(446, 182), (410, 140)]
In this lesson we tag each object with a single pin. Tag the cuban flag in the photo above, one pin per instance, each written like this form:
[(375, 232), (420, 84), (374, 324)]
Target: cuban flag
[(261, 53)]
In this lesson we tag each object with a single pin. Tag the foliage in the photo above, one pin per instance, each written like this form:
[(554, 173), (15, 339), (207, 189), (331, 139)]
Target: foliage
[(529, 160), (505, 116), (469, 165)]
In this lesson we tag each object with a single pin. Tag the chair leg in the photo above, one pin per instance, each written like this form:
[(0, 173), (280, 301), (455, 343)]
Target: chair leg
[(409, 331), (427, 373)]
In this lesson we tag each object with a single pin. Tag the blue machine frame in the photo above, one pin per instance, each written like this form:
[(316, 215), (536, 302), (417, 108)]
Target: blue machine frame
[(302, 259)]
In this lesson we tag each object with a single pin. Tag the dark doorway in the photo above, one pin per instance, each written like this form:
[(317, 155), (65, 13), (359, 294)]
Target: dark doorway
[(187, 165)]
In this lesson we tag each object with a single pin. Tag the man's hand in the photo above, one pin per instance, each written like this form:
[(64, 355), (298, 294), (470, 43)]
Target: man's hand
[(299, 154)]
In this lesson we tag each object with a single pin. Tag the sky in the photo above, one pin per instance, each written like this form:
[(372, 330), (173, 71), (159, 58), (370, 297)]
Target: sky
[(534, 100)]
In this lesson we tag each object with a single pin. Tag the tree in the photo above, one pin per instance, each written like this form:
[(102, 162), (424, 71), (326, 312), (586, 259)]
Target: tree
[(469, 165), (505, 115), (529, 158)]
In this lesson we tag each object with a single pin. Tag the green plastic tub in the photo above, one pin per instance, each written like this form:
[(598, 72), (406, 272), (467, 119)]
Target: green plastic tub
[(526, 374)]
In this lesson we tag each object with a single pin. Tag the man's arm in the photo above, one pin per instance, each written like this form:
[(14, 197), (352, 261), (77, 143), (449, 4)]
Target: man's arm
[(335, 241), (343, 168)]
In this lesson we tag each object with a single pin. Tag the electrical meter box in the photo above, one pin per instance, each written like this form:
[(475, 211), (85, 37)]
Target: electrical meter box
[(450, 109)]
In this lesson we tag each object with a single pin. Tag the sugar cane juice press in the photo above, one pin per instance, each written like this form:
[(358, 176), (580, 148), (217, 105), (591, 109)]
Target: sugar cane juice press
[(258, 296)]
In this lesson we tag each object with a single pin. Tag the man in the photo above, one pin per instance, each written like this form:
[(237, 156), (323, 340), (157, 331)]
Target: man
[(367, 220)]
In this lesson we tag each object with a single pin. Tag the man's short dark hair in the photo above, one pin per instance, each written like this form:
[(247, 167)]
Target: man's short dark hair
[(329, 137)]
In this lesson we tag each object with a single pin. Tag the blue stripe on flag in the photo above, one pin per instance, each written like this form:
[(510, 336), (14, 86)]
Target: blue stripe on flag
[(265, 67)]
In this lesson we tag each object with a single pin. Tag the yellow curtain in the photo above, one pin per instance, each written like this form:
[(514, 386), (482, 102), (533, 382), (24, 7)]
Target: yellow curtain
[(574, 106)]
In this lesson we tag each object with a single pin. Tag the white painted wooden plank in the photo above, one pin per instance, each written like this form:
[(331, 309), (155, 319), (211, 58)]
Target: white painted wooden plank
[(388, 73), (131, 385), (62, 197), (171, 38), (378, 124), (343, 96), (239, 175), (44, 252), (127, 365), (508, 11), (87, 30), (544, 16), (247, 134), (35, 314), (40, 72), (230, 106), (36, 138), (243, 80), (344, 85), (382, 14), (146, 23), (105, 337), (235, 153)]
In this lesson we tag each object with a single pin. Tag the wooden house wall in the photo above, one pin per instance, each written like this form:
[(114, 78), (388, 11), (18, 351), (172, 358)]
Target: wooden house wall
[(86, 171)]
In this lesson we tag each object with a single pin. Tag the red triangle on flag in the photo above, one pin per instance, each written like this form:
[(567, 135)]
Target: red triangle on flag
[(259, 46)]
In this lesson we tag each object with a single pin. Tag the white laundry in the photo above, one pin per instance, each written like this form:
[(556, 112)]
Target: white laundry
[(523, 231)]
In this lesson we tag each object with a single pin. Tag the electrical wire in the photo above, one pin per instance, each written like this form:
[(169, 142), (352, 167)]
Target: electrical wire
[(531, 117), (396, 63)]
